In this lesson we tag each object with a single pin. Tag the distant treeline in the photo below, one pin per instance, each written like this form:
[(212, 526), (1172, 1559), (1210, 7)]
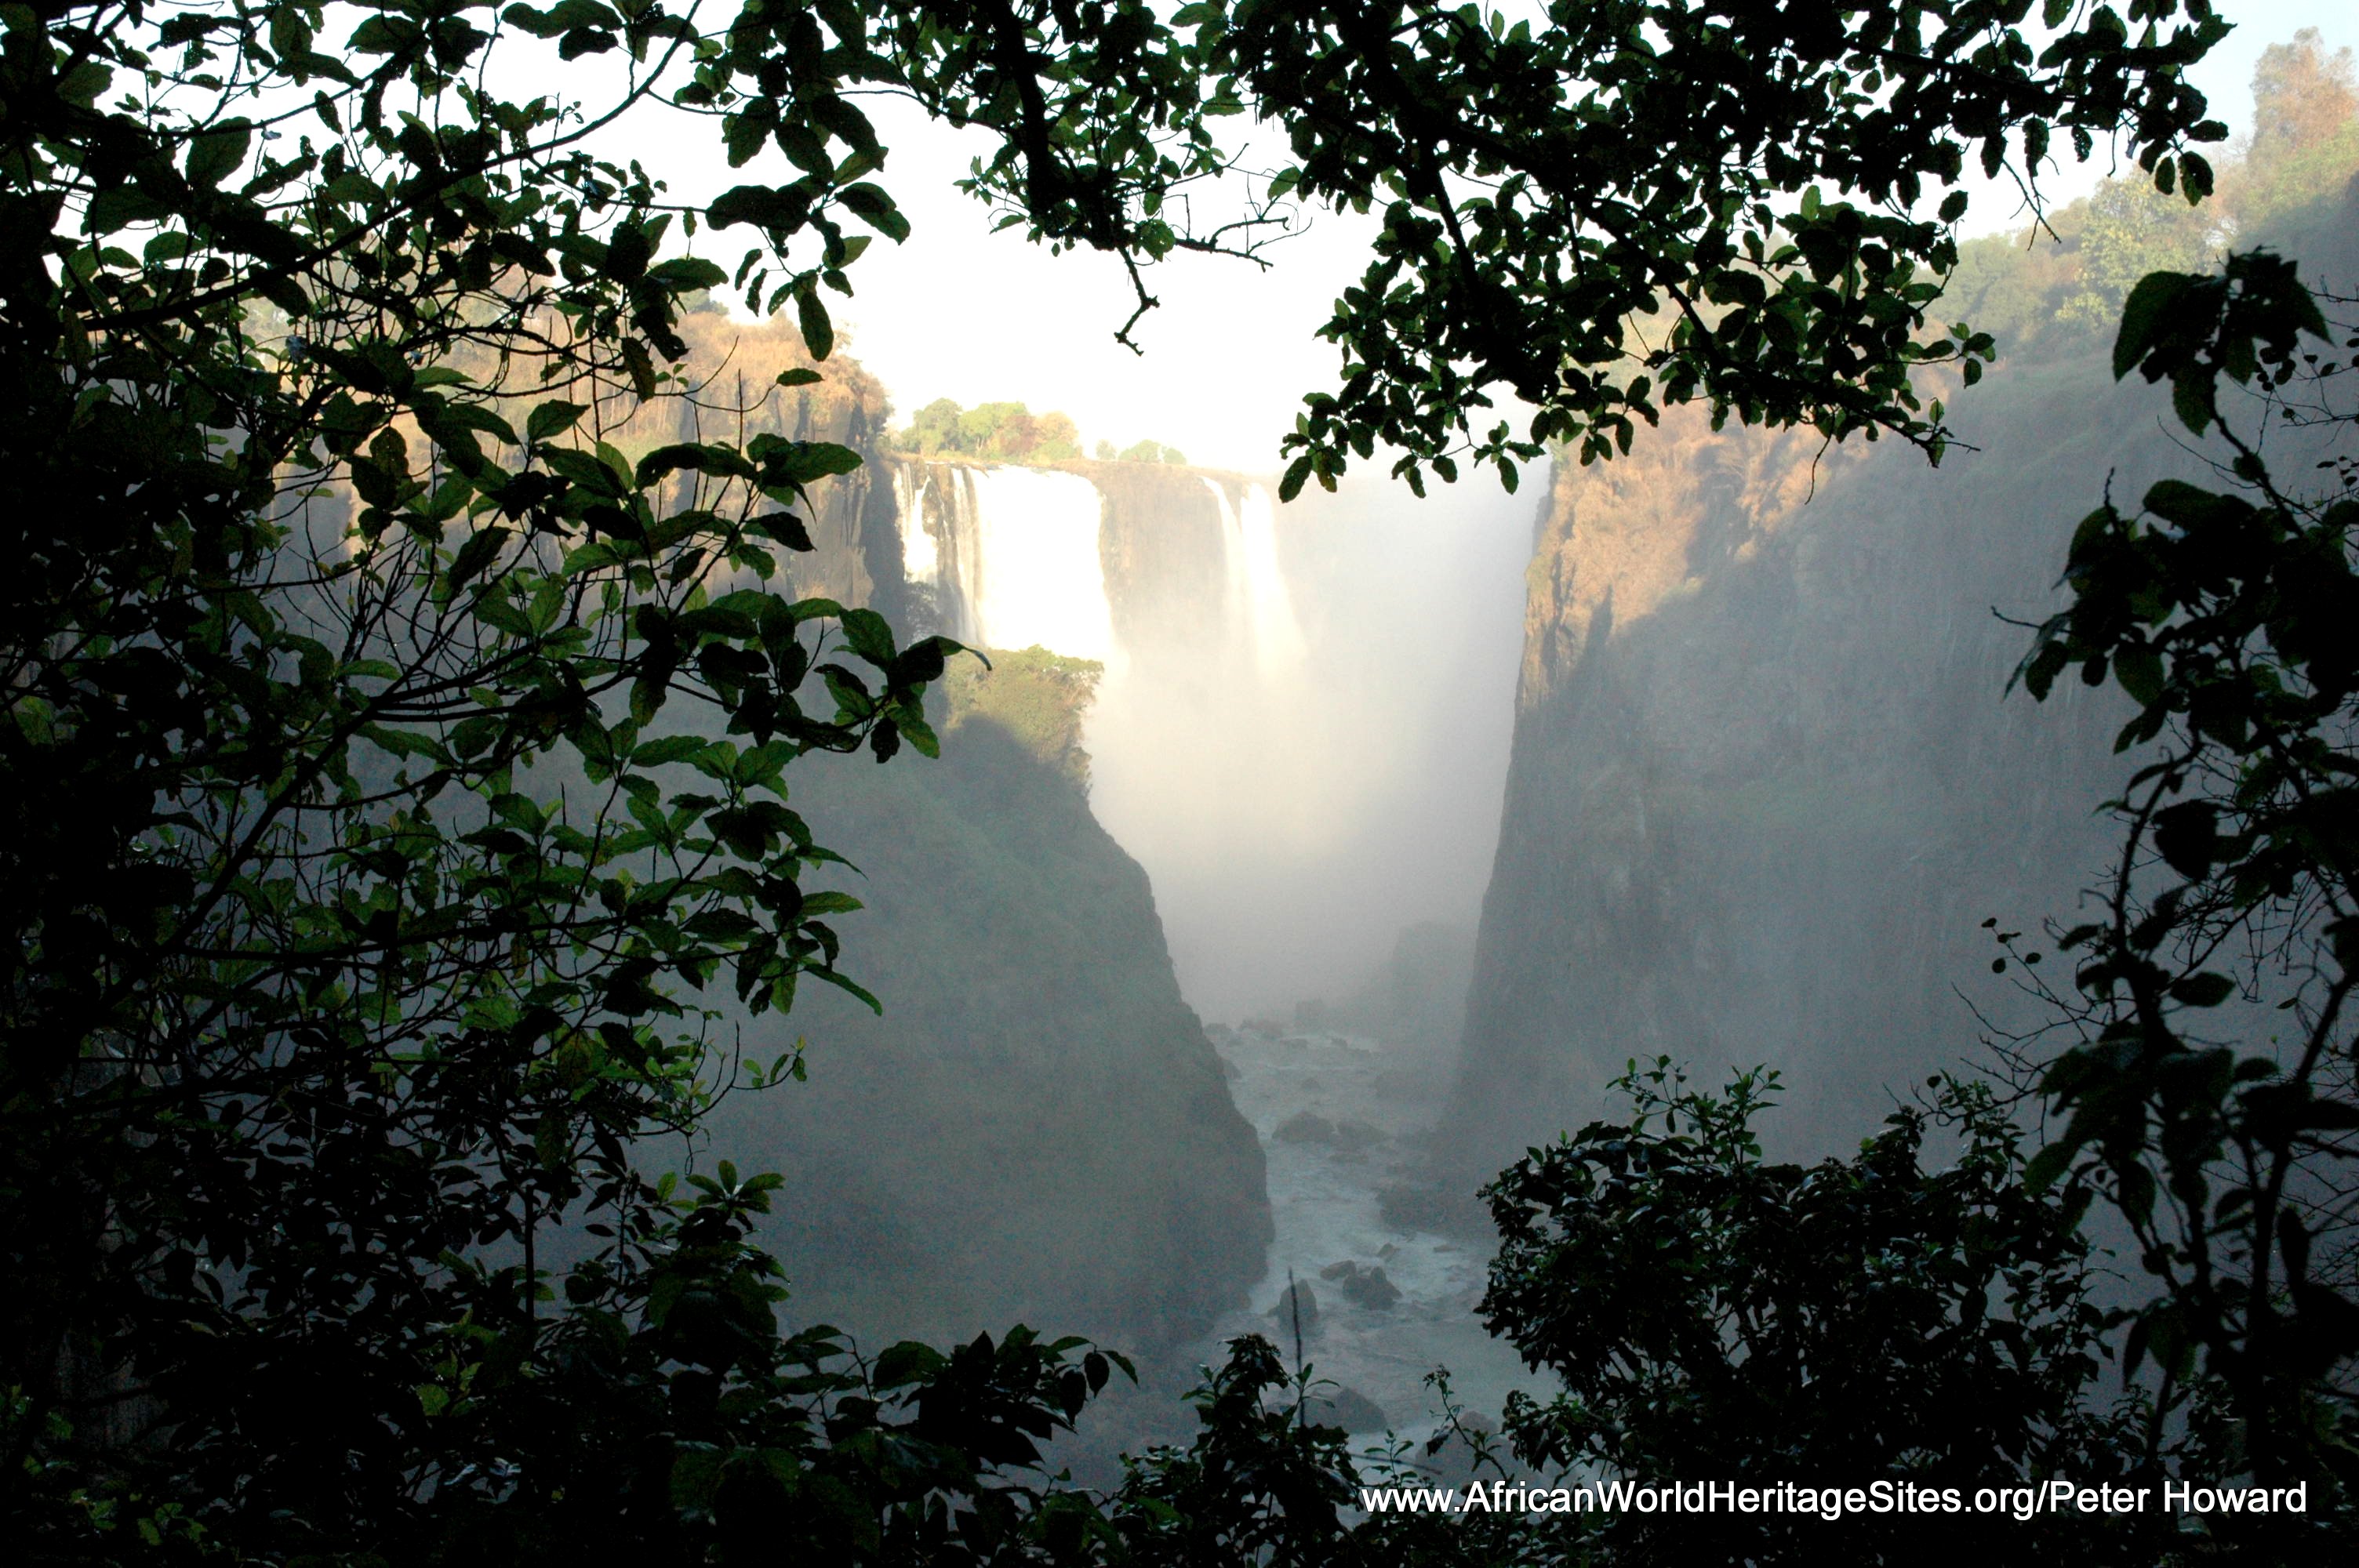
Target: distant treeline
[(2051, 300), (1009, 432)]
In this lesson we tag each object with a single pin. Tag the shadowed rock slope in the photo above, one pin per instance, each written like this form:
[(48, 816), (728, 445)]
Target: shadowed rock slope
[(1036, 1130), (1767, 782)]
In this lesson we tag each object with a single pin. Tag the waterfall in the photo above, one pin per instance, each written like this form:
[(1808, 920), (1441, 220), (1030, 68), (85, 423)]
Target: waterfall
[(1005, 557), (934, 508), (921, 558), (1257, 597), (1038, 576), (1278, 639), (1238, 610)]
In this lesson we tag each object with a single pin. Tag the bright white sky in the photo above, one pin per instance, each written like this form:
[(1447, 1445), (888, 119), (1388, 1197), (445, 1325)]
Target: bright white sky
[(962, 312)]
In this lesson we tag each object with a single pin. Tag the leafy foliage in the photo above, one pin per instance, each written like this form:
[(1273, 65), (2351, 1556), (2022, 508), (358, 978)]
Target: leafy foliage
[(2058, 290), (1039, 698), (2208, 1085), (1711, 1313), (363, 874), (1150, 451), (1628, 204), (1006, 431)]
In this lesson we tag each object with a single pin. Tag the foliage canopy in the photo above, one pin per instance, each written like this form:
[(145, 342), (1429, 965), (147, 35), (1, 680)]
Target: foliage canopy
[(1006, 431)]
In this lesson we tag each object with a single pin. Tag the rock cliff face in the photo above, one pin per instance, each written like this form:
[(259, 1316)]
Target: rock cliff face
[(1767, 782), (1036, 1130)]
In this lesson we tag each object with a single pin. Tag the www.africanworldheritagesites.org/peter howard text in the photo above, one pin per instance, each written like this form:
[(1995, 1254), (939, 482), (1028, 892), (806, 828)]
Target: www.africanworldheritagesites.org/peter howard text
[(2049, 1498)]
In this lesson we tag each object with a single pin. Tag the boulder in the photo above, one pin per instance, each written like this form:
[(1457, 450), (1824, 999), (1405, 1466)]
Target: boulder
[(1361, 1285)]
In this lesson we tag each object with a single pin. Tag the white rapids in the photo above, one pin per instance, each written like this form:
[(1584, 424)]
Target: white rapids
[(1334, 1110)]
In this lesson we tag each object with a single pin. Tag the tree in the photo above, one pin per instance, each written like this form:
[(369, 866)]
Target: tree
[(2206, 1082), (364, 868), (933, 428), (1709, 1314), (1003, 432), (2127, 230), (1059, 438), (362, 875), (2302, 97)]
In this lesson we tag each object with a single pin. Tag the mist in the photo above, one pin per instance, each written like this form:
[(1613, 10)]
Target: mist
[(1299, 804)]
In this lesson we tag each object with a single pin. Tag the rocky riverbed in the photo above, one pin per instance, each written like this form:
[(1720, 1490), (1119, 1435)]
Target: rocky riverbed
[(1381, 1305)]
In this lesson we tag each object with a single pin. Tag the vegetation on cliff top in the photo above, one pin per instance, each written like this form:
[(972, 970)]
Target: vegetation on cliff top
[(1005, 432), (1009, 432), (1039, 698), (2056, 291)]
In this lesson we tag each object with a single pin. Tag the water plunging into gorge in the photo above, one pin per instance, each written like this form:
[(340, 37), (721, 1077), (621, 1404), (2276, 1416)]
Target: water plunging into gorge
[(1301, 733)]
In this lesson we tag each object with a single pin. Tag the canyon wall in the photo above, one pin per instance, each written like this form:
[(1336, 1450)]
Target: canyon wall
[(1036, 1128), (1768, 781)]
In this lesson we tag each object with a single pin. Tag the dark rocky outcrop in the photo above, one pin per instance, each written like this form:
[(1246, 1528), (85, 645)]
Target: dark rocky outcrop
[(1349, 1409), (1036, 1130), (1363, 1284)]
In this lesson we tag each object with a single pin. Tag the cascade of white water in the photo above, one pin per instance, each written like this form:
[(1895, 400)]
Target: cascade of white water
[(1235, 610), (935, 512), (1037, 577), (921, 559), (1277, 637)]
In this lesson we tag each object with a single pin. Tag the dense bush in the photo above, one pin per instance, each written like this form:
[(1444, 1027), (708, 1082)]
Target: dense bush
[(1005, 432)]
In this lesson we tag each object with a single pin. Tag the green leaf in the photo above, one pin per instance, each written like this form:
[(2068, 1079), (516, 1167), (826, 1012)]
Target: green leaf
[(845, 984), (627, 254), (869, 635), (830, 902), (118, 207), (2206, 990), (818, 332), (476, 554), (2192, 394), (218, 154), (2139, 669), (1295, 473), (699, 457), (906, 1363), (682, 274), (2145, 314), (875, 208), (584, 40), (785, 528), (553, 418), (780, 209), (2189, 506), (671, 749), (793, 464), (2188, 836), (2048, 1167)]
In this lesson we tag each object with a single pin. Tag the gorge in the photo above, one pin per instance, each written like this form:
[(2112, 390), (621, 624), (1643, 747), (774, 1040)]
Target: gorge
[(1197, 739), (1765, 787)]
